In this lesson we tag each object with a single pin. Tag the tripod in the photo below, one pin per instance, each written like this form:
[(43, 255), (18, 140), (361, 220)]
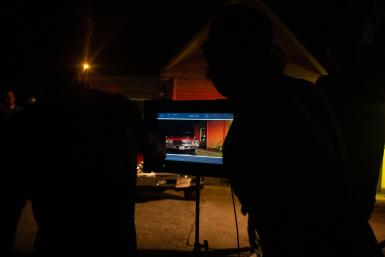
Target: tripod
[(197, 245)]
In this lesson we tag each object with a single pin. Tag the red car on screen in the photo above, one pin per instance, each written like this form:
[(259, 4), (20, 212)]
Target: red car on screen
[(182, 143)]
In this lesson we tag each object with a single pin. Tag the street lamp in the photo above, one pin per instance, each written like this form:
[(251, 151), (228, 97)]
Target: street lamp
[(86, 66), (84, 75)]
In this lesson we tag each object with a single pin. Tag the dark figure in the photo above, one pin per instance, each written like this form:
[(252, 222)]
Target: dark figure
[(84, 196), (356, 89), (8, 103), (252, 233), (299, 193), (13, 183), (254, 239), (14, 172), (79, 145)]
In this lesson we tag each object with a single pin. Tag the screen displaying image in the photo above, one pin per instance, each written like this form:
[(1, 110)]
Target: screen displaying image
[(194, 137)]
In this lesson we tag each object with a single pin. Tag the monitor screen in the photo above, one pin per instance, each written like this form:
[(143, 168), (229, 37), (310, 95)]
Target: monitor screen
[(194, 137), (192, 134)]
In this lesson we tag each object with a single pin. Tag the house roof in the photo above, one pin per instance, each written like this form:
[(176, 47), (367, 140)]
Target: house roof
[(189, 61)]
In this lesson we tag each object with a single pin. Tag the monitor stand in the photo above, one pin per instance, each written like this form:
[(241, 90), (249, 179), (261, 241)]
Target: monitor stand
[(197, 245)]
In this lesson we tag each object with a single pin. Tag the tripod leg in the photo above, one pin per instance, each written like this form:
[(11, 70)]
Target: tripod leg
[(197, 245)]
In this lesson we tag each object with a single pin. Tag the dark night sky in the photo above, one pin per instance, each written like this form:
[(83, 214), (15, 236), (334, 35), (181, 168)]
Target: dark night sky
[(156, 30), (313, 22), (129, 37), (142, 36), (139, 37)]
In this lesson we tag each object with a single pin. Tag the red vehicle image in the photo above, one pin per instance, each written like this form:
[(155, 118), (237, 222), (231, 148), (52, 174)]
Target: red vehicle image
[(182, 143)]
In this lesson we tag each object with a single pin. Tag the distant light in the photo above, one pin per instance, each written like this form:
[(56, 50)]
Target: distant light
[(86, 66), (32, 100)]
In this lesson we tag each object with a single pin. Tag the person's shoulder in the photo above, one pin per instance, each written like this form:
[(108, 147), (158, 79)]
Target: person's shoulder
[(104, 99), (117, 103), (95, 95), (122, 100)]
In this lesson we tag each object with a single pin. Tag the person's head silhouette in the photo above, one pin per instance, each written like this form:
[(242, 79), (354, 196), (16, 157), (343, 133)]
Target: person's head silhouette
[(239, 48)]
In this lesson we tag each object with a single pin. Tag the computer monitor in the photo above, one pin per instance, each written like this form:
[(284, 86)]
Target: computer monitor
[(192, 134)]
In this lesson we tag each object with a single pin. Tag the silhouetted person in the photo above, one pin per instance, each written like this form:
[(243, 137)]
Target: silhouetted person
[(80, 144), (254, 239), (13, 190), (356, 89), (8, 103), (283, 154), (84, 202)]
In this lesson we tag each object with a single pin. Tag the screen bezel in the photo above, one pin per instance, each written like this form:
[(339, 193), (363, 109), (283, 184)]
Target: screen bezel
[(151, 110)]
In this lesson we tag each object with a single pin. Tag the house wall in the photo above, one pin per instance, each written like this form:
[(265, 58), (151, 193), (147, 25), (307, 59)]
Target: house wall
[(216, 133), (194, 89)]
